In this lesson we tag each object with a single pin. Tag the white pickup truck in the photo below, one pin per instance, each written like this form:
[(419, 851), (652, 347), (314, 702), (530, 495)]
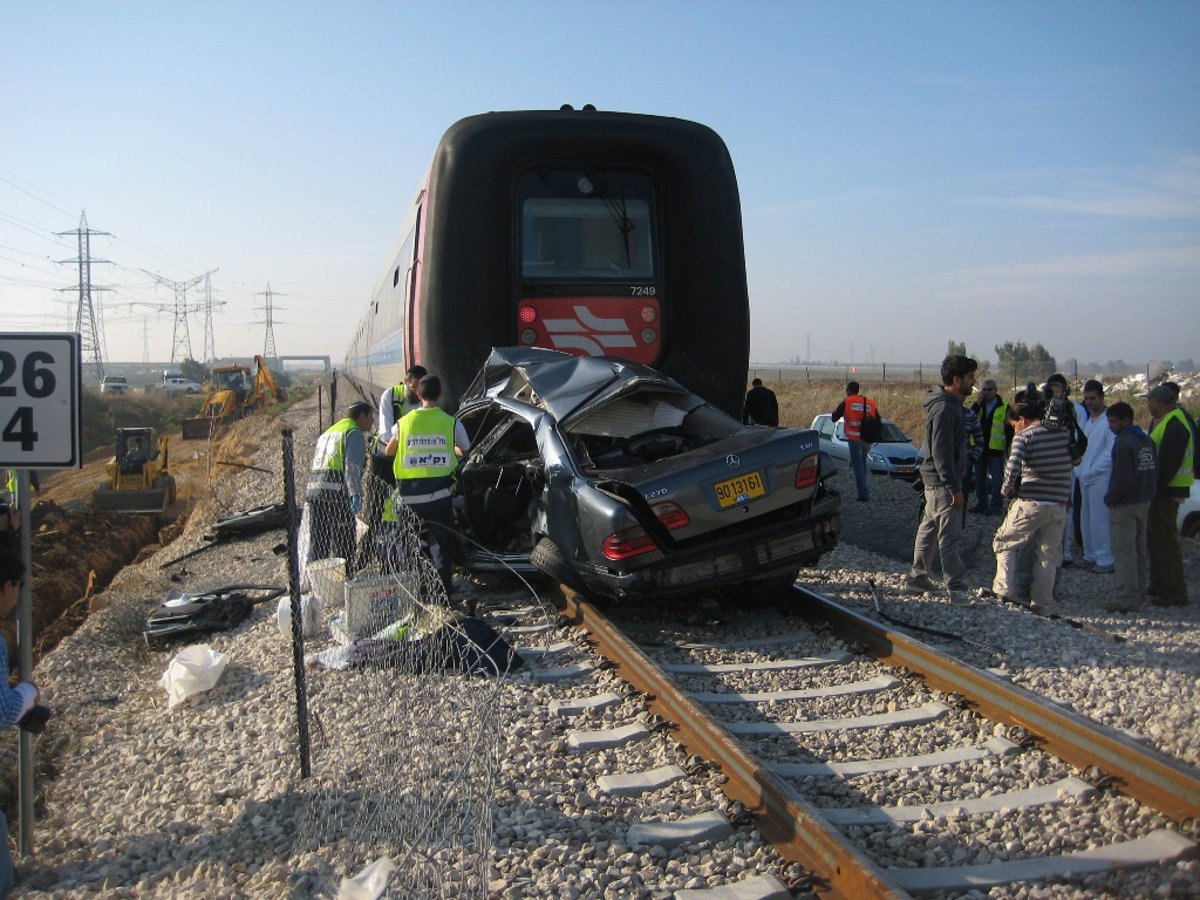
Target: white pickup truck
[(114, 384)]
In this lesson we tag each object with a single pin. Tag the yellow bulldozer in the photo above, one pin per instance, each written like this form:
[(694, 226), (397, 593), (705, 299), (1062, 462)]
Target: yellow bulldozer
[(233, 392), (138, 479)]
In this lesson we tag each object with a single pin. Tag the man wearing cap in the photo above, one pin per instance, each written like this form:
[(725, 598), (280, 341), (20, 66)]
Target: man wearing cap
[(427, 444), (1176, 447), (334, 494), (1056, 387)]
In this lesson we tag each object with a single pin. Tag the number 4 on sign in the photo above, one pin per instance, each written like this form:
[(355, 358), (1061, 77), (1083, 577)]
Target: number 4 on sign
[(19, 429)]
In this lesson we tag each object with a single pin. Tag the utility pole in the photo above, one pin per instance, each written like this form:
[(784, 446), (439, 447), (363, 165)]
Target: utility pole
[(91, 347), (269, 351), (808, 347), (145, 341), (181, 338)]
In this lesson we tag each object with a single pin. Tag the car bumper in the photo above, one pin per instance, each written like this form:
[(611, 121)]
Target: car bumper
[(756, 559)]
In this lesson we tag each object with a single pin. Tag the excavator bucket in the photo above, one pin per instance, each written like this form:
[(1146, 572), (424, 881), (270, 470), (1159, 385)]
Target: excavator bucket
[(203, 427), (142, 500)]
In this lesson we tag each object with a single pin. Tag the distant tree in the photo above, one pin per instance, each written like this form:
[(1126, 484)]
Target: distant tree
[(1185, 365), (193, 371), (954, 348), (1018, 362)]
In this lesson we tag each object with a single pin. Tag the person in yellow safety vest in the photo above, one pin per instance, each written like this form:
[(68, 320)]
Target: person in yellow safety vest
[(427, 444), (10, 512), (997, 438), (399, 400), (1176, 446), (334, 494)]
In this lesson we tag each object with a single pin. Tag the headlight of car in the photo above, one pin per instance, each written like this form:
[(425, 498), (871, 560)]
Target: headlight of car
[(877, 458), (917, 460)]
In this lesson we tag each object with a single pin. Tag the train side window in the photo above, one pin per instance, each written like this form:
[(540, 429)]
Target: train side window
[(396, 277)]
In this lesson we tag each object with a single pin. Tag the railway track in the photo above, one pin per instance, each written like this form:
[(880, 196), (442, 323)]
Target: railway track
[(884, 767)]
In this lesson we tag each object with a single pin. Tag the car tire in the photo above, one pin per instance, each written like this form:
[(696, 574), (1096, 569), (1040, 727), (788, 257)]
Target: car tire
[(549, 558)]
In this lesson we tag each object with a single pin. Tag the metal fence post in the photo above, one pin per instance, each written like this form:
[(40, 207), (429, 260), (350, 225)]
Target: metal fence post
[(25, 659), (289, 500), (333, 397)]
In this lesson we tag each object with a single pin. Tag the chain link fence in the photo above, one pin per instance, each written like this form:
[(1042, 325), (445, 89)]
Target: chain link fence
[(406, 708)]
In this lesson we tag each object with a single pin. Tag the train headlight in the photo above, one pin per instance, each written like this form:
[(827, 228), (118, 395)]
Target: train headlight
[(527, 315), (585, 185), (649, 335), (528, 336)]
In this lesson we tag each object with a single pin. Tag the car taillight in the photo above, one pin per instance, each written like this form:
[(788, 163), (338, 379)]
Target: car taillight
[(630, 542), (808, 471), (634, 541), (671, 515)]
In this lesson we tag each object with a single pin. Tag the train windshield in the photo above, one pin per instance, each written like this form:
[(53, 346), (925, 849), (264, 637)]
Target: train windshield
[(586, 224)]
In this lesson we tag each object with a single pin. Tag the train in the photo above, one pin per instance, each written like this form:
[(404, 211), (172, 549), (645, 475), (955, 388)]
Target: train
[(586, 231)]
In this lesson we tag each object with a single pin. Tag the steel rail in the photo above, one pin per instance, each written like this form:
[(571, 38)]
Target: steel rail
[(1163, 783), (796, 828)]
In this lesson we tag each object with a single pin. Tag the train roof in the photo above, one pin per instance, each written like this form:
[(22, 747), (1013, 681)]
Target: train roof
[(576, 129)]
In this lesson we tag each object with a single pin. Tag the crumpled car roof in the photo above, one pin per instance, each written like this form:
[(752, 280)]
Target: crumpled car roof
[(560, 383)]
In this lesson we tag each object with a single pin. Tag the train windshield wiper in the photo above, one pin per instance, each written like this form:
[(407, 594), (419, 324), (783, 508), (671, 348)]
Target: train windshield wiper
[(618, 210)]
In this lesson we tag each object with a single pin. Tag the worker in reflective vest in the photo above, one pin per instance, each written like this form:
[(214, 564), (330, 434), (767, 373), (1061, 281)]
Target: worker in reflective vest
[(997, 436), (852, 409), (1176, 446), (334, 494), (427, 444)]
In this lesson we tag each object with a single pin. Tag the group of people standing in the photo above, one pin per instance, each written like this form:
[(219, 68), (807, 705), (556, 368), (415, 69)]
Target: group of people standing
[(1048, 456), (409, 459)]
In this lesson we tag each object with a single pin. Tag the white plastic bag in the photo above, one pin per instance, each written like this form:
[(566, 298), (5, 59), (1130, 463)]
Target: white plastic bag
[(310, 616), (193, 670), (369, 883)]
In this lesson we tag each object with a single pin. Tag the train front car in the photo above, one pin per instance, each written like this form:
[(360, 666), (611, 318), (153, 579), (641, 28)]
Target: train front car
[(589, 232)]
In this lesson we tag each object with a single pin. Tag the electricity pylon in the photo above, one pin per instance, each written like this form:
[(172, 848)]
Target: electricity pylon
[(181, 338), (91, 347), (269, 351)]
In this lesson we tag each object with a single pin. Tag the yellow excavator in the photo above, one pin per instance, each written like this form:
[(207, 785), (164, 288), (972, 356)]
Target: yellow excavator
[(233, 392), (138, 479)]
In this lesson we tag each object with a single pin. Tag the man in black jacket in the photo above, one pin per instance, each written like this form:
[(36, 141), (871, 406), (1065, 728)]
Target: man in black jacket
[(761, 406), (1131, 487), (942, 476)]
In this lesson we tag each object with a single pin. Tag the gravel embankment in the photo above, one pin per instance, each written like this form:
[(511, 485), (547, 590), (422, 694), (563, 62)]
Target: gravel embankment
[(206, 800)]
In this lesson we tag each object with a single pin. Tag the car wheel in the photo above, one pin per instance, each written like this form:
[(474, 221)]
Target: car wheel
[(549, 558)]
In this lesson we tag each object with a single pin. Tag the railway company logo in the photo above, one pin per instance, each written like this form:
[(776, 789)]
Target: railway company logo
[(589, 333), (733, 461)]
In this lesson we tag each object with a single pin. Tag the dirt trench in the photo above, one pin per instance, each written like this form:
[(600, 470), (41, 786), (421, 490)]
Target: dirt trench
[(76, 551)]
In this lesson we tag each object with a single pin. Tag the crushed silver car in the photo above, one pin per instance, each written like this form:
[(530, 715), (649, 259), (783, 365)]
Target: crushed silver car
[(615, 480)]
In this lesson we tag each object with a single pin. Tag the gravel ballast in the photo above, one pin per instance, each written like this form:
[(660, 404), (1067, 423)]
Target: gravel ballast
[(206, 800)]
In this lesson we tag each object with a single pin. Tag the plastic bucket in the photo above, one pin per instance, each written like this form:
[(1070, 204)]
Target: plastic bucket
[(327, 577)]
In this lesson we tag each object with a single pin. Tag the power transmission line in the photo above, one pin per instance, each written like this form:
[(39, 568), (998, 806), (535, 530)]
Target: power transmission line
[(91, 345)]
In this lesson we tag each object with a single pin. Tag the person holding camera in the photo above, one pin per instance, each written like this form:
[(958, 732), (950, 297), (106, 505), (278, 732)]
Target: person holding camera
[(1038, 479), (15, 702)]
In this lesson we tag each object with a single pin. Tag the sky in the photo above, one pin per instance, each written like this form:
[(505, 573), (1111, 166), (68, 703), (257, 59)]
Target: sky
[(911, 173)]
